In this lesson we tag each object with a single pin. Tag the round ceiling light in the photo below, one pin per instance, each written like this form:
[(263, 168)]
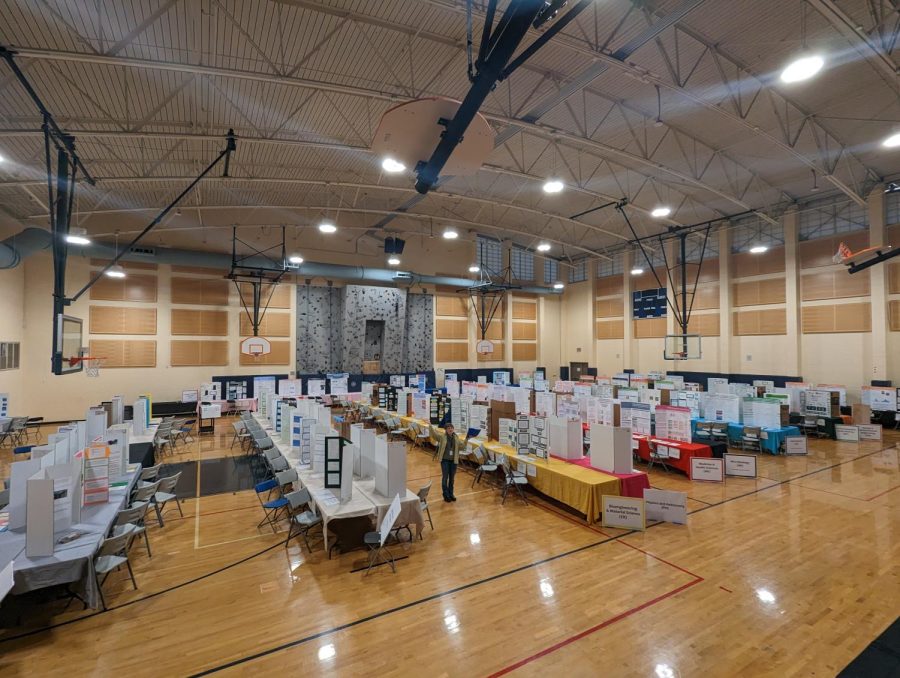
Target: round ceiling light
[(802, 69), (474, 268), (115, 271), (77, 236), (392, 166), (637, 270), (543, 247), (892, 141), (327, 227), (295, 259), (558, 285), (661, 212), (393, 261), (758, 249), (450, 234), (553, 186)]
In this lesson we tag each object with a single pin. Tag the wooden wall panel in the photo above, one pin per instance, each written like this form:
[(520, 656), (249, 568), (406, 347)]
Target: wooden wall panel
[(192, 352), (709, 271), (707, 297), (282, 295), (524, 330), (610, 329), (124, 352), (451, 352), (122, 320), (452, 305), (199, 322), (609, 308), (524, 352), (524, 310), (200, 291), (451, 328), (496, 356), (273, 324), (746, 264), (758, 292), (280, 355), (646, 281), (819, 252), (893, 277), (131, 288), (762, 322), (645, 328), (609, 285), (894, 316), (706, 325), (494, 331), (834, 284), (218, 272), (836, 318)]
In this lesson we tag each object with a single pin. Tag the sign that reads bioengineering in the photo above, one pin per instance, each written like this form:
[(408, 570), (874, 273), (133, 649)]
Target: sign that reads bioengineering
[(624, 513)]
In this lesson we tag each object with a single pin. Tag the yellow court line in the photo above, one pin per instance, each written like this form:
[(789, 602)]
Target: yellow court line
[(232, 541)]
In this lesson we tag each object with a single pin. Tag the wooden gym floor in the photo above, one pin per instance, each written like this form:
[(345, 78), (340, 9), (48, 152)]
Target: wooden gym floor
[(790, 574)]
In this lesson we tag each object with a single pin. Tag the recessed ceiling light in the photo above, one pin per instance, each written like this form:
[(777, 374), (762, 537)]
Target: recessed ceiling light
[(392, 166), (660, 212), (892, 141), (327, 227), (116, 271), (802, 69), (295, 259), (543, 247), (393, 261), (450, 234), (474, 268), (758, 249), (558, 285), (553, 186), (77, 236), (637, 270)]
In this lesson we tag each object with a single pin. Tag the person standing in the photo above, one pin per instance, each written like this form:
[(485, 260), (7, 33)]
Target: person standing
[(449, 453)]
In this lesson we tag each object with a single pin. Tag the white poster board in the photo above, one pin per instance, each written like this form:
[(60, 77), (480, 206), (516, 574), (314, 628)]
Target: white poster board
[(666, 506), (611, 448), (315, 387), (673, 423), (390, 517), (718, 385)]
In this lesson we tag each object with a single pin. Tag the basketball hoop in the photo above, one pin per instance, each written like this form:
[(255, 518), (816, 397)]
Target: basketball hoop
[(256, 347), (682, 347), (91, 365)]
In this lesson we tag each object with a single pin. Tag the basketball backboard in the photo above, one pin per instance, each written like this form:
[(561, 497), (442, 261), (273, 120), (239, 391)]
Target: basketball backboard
[(682, 347)]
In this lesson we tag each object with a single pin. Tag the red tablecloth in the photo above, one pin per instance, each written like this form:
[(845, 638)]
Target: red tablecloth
[(688, 450), (630, 484)]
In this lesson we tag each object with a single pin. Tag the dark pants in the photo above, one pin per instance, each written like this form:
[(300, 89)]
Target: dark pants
[(448, 473)]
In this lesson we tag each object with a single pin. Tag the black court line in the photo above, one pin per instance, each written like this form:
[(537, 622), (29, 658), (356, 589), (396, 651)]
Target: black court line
[(420, 601), (147, 597), (436, 596)]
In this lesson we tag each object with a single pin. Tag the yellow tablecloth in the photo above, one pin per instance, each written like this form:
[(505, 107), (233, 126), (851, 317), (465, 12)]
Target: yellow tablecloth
[(575, 486)]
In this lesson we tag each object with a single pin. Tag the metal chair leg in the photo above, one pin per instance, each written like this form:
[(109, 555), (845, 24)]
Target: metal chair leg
[(131, 574)]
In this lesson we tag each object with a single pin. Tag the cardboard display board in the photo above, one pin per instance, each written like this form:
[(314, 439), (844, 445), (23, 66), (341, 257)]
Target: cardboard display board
[(707, 470), (763, 412), (821, 403), (666, 506), (718, 385), (636, 416), (624, 513), (721, 407), (880, 399)]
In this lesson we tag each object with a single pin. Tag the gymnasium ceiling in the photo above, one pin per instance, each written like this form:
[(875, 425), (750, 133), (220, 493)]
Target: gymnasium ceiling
[(661, 102)]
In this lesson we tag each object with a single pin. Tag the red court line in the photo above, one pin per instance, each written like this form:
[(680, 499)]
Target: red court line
[(593, 629), (881, 494)]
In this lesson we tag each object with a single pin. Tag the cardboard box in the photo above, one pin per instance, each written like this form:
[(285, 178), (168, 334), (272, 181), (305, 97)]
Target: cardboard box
[(499, 410), (862, 414), (785, 415)]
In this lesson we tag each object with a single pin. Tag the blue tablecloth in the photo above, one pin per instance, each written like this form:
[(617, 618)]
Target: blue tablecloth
[(772, 441)]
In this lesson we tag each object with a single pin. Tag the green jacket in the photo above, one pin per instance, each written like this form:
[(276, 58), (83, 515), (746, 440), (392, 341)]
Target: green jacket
[(443, 441)]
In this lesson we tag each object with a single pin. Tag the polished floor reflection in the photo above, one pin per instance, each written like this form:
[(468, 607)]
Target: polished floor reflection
[(792, 573)]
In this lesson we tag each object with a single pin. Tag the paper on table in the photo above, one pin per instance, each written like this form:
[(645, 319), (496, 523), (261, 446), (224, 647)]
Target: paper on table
[(532, 470)]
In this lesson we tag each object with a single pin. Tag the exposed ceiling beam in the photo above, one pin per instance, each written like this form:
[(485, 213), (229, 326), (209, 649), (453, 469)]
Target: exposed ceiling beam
[(869, 50), (320, 208), (285, 141), (603, 150), (106, 181)]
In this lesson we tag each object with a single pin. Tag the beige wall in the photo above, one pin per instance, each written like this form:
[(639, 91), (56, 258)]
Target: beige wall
[(68, 396), (12, 288)]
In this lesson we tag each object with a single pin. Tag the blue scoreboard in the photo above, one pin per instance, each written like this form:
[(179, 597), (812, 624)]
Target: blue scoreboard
[(649, 303)]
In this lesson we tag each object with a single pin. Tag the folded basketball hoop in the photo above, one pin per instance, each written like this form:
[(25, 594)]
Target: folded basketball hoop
[(91, 365)]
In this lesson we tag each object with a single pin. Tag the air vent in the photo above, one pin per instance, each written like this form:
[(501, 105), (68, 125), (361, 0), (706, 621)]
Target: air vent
[(402, 275), (144, 251)]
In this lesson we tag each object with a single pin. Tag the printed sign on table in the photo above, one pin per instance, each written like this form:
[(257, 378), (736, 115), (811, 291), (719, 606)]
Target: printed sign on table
[(742, 465), (624, 513), (846, 434), (707, 470), (666, 506), (795, 445)]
